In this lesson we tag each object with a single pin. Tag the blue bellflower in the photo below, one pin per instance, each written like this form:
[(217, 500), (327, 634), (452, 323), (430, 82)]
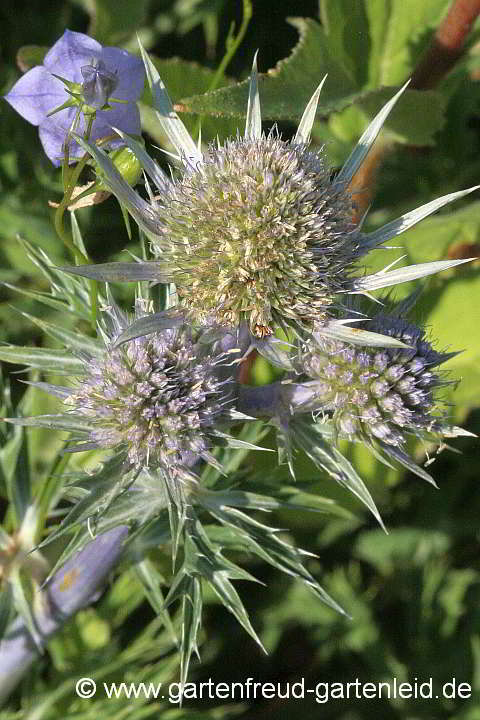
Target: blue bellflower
[(99, 72)]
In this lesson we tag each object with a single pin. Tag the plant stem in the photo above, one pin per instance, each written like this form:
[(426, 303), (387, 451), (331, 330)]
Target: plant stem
[(70, 589), (232, 44), (447, 45)]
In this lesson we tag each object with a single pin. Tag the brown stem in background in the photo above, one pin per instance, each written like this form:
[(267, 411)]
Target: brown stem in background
[(446, 48), (363, 182), (447, 45), (245, 368)]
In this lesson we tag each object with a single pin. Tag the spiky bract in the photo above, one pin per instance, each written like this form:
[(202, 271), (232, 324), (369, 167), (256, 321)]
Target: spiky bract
[(258, 232), (256, 229)]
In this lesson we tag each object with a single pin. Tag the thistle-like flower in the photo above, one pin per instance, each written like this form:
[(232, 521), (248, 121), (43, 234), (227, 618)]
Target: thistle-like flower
[(158, 397), (158, 402), (256, 229), (379, 394)]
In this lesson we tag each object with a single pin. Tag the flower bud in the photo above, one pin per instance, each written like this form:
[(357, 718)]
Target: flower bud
[(127, 165), (98, 83)]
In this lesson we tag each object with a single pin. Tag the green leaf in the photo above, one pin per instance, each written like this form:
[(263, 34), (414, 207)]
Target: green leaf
[(205, 559), (75, 341), (23, 597), (264, 542), (103, 486), (187, 588), (119, 271), (113, 21), (56, 361), (151, 581), (183, 78), (70, 423), (148, 324), (308, 436), (290, 498), (453, 318), (172, 126), (350, 48), (28, 56), (286, 90), (34, 225), (6, 607), (450, 306), (14, 462), (403, 547), (399, 33)]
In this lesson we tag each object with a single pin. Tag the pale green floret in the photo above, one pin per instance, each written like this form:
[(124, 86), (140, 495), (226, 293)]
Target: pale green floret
[(258, 232)]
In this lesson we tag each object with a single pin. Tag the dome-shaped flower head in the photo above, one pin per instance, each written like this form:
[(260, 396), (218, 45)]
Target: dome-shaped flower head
[(378, 396), (160, 401), (256, 229), (94, 74), (159, 398)]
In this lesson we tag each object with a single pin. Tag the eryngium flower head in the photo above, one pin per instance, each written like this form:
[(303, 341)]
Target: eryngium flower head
[(256, 229), (158, 397), (380, 394)]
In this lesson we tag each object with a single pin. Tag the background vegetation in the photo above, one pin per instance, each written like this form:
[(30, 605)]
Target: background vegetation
[(414, 595)]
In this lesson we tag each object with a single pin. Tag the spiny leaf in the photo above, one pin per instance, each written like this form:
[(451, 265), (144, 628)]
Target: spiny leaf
[(56, 361)]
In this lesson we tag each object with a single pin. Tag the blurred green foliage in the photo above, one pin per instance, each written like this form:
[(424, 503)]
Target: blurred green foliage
[(414, 595)]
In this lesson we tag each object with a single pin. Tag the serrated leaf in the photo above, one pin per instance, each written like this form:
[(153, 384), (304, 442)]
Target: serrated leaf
[(204, 559), (308, 436), (191, 615), (264, 542), (286, 90), (151, 581), (105, 485), (73, 340)]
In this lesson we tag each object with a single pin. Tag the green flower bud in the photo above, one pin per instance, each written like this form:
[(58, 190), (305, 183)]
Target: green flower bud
[(127, 165)]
